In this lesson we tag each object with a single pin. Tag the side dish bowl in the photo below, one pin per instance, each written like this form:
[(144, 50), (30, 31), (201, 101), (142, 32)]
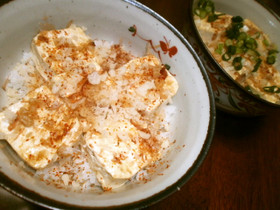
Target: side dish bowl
[(113, 20), (230, 96)]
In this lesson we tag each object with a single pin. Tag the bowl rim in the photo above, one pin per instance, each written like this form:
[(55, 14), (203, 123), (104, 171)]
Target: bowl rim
[(240, 87), (16, 189)]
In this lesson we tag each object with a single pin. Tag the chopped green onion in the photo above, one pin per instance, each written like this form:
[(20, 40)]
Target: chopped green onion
[(226, 56), (132, 29), (239, 50), (251, 43), (197, 11), (271, 59), (201, 3), (272, 89), (209, 9), (230, 33), (237, 63), (237, 26), (237, 19), (207, 5), (213, 17), (167, 66), (237, 59), (257, 65), (242, 36), (228, 42), (245, 49), (219, 49), (240, 43), (270, 52), (255, 54), (233, 32), (266, 42), (231, 49), (204, 8), (200, 13)]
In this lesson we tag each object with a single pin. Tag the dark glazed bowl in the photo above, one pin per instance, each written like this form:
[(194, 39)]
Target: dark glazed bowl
[(230, 96)]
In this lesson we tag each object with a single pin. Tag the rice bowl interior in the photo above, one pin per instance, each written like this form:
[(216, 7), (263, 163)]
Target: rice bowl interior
[(192, 121)]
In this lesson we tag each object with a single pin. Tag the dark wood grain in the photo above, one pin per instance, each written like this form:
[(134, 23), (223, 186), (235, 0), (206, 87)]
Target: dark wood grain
[(242, 168), (241, 171)]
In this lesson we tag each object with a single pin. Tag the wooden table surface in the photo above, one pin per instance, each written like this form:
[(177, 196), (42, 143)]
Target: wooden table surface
[(242, 168)]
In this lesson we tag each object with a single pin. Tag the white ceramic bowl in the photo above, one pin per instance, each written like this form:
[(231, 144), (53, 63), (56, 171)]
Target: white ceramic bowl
[(110, 20)]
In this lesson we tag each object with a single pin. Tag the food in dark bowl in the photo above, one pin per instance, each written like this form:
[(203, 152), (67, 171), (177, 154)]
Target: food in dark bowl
[(237, 42)]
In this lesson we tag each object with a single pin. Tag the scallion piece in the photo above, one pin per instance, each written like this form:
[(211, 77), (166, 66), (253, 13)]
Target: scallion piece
[(219, 49), (213, 17), (239, 50), (240, 43), (228, 42), (237, 19), (237, 63), (257, 65), (271, 59), (242, 36), (271, 52), (226, 56), (209, 9), (237, 26), (209, 6), (266, 42), (251, 43), (255, 54), (201, 3), (201, 13), (245, 49), (167, 66), (231, 49), (232, 33), (204, 8), (272, 89), (197, 11)]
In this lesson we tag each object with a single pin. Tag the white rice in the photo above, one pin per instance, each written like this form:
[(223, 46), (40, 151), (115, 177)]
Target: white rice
[(71, 170)]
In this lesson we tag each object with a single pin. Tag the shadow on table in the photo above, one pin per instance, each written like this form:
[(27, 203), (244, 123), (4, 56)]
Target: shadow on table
[(237, 127)]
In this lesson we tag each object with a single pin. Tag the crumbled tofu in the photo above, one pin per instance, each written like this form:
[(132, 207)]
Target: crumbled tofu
[(63, 57), (38, 125)]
